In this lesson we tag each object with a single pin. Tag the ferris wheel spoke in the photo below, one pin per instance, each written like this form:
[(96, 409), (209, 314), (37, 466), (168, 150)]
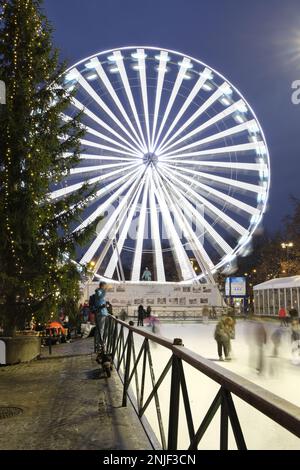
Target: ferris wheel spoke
[(103, 124), (108, 188), (90, 143), (230, 165), (196, 246), (210, 122), (246, 126), (181, 259), (87, 156), (143, 79), (131, 151), (103, 137), (137, 260), (92, 168), (209, 102), (101, 257), (106, 205), (74, 187), (194, 196), (95, 63), (122, 70), (259, 147), (162, 68), (122, 237), (215, 236), (155, 234), (180, 76), (227, 181), (110, 223), (197, 87), (106, 177), (218, 194), (116, 183), (87, 87)]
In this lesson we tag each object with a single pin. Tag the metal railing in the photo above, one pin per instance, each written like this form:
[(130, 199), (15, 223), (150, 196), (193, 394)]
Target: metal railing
[(123, 351)]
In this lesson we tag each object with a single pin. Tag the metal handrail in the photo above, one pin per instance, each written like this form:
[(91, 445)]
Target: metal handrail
[(278, 409)]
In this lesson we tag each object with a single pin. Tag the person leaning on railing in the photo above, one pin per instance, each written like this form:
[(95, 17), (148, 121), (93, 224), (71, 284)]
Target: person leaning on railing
[(100, 308)]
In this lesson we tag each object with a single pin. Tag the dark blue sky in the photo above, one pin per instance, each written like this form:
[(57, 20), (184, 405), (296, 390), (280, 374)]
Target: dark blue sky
[(255, 44)]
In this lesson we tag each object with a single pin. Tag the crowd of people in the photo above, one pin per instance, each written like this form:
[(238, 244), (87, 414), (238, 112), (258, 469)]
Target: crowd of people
[(95, 311), (151, 320), (260, 335)]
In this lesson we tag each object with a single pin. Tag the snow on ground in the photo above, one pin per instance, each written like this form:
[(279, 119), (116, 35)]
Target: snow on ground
[(279, 376)]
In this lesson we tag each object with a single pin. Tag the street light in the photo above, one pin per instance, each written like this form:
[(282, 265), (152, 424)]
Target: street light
[(286, 246)]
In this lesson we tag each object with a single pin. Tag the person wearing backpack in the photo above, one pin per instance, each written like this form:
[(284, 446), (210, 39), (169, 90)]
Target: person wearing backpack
[(100, 309)]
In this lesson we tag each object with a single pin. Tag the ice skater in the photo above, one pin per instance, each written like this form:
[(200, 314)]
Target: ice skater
[(260, 338), (141, 315), (224, 332)]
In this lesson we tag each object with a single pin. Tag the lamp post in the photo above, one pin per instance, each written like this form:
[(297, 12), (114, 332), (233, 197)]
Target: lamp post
[(286, 246)]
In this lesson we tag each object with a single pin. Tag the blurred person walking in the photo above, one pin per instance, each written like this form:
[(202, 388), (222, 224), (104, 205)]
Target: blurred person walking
[(260, 338), (276, 340)]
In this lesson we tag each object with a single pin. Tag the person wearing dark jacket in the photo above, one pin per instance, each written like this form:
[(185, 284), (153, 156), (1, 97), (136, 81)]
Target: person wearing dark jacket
[(141, 315), (224, 332)]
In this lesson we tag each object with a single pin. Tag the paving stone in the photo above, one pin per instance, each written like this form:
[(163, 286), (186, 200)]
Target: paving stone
[(67, 403)]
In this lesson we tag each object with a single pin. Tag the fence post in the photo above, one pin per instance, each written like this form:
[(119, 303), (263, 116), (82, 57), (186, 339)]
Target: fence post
[(109, 333), (174, 401), (127, 368), (114, 341), (224, 422)]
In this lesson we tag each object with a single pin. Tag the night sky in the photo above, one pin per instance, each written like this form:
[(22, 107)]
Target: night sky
[(255, 44)]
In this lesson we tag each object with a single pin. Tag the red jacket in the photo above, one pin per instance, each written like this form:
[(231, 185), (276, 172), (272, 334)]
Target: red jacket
[(282, 312)]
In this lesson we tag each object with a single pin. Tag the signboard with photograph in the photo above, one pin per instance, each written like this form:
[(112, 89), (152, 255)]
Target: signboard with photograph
[(235, 287)]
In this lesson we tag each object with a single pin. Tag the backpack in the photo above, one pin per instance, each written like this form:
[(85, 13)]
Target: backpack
[(92, 303)]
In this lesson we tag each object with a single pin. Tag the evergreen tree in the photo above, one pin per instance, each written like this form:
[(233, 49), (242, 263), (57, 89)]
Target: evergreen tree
[(35, 232)]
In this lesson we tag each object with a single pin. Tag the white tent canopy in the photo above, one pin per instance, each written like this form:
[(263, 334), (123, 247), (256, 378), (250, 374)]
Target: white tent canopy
[(271, 295), (279, 283)]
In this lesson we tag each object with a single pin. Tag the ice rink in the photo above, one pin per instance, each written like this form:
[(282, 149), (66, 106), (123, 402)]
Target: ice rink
[(279, 375)]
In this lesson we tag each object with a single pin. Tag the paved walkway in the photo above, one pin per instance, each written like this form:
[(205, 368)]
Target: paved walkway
[(67, 404), (77, 347)]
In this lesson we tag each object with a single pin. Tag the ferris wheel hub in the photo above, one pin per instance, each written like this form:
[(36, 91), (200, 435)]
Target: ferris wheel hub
[(150, 158)]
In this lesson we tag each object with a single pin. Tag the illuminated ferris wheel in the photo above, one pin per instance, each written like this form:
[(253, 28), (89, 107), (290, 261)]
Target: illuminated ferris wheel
[(179, 159)]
